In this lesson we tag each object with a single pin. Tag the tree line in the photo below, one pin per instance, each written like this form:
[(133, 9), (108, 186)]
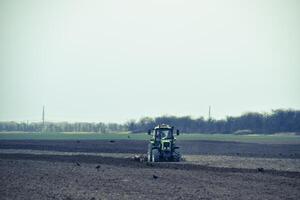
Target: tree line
[(62, 127), (252, 122)]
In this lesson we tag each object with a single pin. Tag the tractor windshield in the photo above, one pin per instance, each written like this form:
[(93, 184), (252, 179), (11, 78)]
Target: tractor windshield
[(164, 133)]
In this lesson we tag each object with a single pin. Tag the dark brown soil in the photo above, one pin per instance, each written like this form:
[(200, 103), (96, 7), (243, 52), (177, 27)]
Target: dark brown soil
[(91, 177), (54, 176)]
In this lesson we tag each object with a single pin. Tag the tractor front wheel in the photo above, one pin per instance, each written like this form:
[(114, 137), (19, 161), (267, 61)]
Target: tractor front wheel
[(149, 153), (155, 155)]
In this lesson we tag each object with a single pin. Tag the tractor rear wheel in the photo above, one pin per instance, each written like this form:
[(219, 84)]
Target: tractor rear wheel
[(176, 156)]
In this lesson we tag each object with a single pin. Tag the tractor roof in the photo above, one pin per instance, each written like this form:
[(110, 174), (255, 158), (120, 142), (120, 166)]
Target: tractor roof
[(163, 126)]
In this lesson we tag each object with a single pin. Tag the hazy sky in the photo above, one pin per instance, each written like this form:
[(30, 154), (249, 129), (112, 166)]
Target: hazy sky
[(119, 60)]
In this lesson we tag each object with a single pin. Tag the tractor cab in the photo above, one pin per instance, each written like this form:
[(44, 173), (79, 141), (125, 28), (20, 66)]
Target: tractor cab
[(162, 132)]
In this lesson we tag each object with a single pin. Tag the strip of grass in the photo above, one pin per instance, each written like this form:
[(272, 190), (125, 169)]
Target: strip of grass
[(280, 139), (63, 136), (290, 139)]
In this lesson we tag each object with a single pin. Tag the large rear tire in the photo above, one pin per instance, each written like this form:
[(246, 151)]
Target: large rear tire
[(176, 156)]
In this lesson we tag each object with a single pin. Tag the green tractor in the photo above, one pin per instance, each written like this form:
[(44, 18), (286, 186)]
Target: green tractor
[(162, 145)]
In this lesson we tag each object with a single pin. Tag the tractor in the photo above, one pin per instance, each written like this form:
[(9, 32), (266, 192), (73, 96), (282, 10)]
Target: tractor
[(162, 145)]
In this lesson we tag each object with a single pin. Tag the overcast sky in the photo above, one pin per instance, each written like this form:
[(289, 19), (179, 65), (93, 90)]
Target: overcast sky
[(112, 61)]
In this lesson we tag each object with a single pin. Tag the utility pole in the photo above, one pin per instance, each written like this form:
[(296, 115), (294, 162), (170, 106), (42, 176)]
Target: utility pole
[(209, 113), (43, 118)]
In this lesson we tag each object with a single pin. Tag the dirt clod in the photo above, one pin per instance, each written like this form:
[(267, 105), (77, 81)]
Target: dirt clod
[(154, 176), (260, 169), (98, 167)]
